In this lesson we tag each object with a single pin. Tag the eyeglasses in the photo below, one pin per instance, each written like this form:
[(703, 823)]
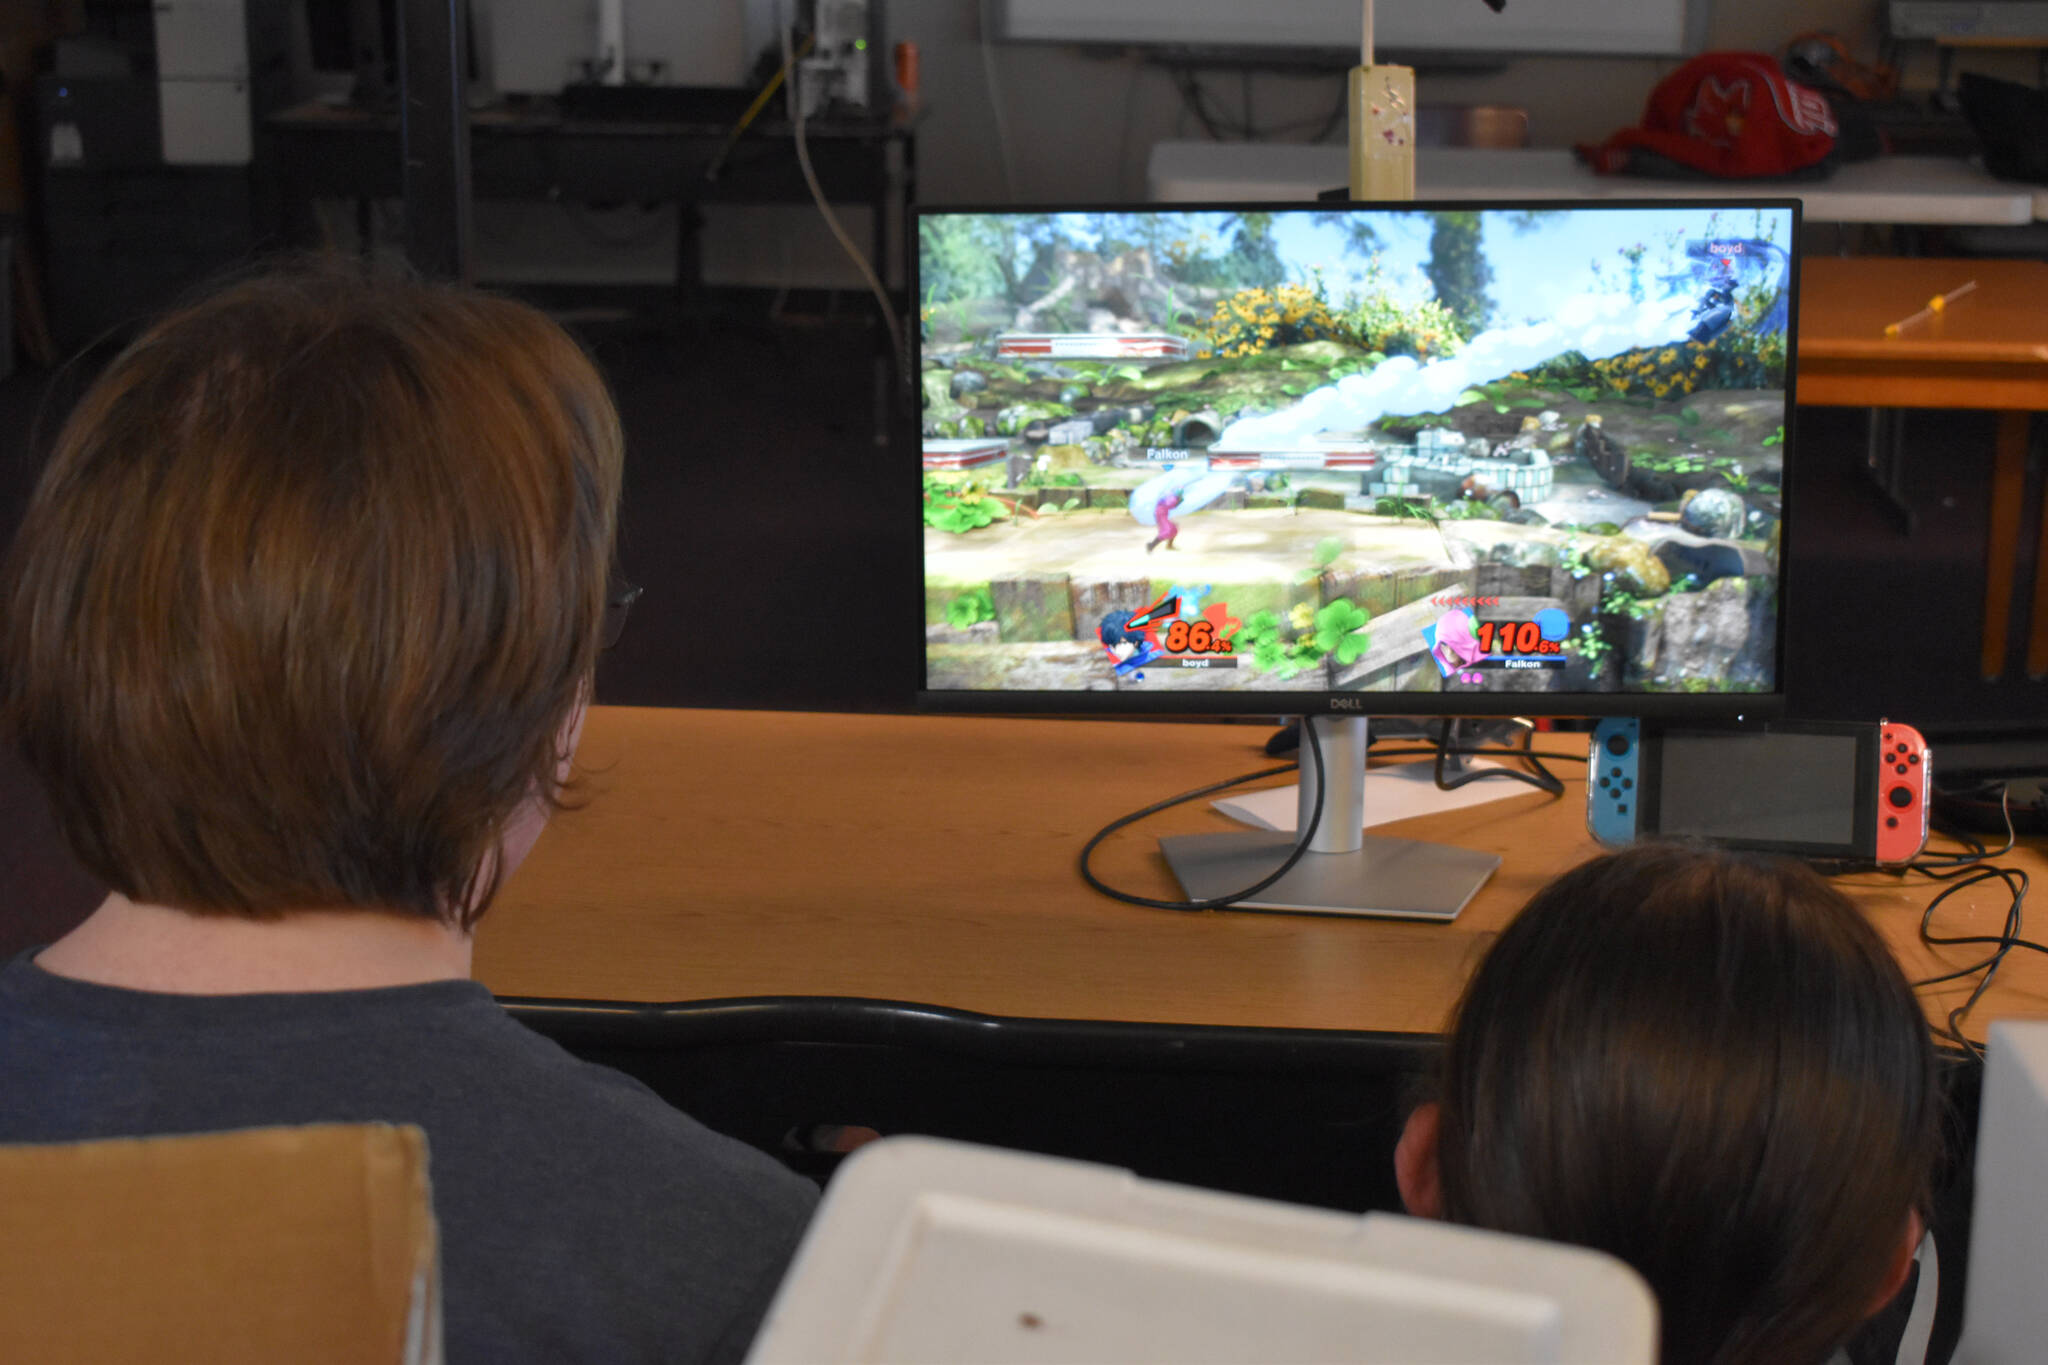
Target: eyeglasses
[(619, 598)]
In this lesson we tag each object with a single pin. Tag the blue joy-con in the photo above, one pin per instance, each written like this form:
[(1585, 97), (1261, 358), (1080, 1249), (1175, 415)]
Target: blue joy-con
[(1611, 773)]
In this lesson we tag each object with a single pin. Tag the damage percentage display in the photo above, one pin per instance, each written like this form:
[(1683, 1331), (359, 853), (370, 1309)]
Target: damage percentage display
[(1515, 637), (1194, 637)]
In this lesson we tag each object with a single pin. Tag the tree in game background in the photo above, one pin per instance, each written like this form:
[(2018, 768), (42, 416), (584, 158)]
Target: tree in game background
[(1457, 267), (1361, 239), (1258, 255), (969, 262)]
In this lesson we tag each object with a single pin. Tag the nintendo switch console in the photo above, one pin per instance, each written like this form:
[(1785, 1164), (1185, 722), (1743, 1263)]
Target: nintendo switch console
[(1818, 790)]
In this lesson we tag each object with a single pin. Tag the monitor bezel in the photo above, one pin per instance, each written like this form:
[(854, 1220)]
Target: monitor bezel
[(1677, 706)]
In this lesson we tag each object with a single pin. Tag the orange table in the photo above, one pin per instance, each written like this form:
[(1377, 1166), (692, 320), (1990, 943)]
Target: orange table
[(1988, 350), (931, 859)]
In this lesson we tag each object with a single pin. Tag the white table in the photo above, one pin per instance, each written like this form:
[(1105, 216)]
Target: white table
[(1896, 189)]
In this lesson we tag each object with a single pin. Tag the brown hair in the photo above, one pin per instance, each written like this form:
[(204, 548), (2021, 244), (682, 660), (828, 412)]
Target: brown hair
[(1710, 1066), (308, 591)]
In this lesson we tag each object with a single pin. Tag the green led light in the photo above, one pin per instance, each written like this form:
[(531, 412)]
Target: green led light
[(860, 45)]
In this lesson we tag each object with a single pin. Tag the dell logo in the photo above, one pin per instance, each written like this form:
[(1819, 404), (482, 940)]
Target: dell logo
[(1347, 704)]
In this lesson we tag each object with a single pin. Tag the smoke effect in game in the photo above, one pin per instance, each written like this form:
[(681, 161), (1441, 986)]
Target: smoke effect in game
[(1353, 451), (1403, 386)]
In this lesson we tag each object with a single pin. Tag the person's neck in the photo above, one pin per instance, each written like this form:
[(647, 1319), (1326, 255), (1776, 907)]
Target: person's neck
[(147, 947)]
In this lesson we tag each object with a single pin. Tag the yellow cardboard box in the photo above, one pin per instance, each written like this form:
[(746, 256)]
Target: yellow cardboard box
[(309, 1245)]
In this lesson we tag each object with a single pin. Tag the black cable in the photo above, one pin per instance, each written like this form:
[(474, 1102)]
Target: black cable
[(1973, 851), (1336, 115), (1191, 99), (1221, 129), (1949, 865), (1526, 754), (1315, 749), (1961, 871), (1542, 778), (2016, 883)]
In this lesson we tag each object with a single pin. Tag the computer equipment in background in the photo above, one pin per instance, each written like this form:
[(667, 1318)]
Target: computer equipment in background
[(1352, 460), (1810, 789), (927, 1251), (843, 72), (536, 47)]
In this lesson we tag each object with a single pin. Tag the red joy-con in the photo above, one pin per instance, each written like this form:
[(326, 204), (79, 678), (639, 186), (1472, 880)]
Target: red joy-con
[(1904, 791)]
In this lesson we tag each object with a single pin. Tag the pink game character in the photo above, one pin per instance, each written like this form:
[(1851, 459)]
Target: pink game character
[(1164, 522), (1457, 648)]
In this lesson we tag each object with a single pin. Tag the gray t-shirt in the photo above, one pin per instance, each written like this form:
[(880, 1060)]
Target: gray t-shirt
[(581, 1217)]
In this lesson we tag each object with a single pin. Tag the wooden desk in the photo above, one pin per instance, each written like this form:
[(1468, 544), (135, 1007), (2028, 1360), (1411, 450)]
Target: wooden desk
[(1988, 350), (932, 860)]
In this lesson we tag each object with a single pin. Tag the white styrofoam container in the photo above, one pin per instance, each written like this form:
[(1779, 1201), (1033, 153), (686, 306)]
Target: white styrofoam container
[(942, 1252), (2005, 1314)]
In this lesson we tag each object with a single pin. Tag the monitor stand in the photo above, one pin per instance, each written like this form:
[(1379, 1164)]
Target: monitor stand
[(1345, 870)]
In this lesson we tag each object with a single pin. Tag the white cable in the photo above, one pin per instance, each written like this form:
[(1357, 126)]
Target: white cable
[(803, 157), (995, 103)]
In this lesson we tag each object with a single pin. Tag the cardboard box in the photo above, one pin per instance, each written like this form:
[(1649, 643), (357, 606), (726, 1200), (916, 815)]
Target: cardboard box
[(311, 1245)]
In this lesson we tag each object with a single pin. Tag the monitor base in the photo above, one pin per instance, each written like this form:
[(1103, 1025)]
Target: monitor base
[(1390, 878)]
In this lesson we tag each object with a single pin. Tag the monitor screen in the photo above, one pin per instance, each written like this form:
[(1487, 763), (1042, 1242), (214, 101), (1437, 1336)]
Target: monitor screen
[(1383, 458), (1784, 788)]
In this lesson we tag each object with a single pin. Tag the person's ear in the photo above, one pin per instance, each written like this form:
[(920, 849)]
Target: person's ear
[(524, 827), (1416, 1170), (1902, 1262), (571, 733)]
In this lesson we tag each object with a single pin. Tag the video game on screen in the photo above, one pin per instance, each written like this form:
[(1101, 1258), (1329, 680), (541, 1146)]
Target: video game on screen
[(1322, 450)]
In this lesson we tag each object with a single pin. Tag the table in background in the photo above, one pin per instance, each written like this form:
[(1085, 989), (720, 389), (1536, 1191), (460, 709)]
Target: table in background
[(782, 920), (931, 860), (1927, 190), (1988, 350)]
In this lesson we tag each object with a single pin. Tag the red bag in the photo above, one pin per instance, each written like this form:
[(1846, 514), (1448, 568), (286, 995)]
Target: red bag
[(1728, 114)]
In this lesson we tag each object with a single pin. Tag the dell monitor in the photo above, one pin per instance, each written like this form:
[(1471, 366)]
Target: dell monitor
[(1356, 459)]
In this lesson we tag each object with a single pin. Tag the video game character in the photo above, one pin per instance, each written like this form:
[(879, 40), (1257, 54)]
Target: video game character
[(1712, 314), (1129, 650), (1721, 266), (1176, 492), (1162, 518), (1371, 453), (1457, 647)]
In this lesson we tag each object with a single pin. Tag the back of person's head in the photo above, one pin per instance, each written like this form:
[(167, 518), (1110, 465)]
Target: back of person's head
[(309, 592), (1709, 1065)]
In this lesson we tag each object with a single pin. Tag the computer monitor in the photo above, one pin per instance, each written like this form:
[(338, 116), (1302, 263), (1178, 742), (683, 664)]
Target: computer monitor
[(1352, 459)]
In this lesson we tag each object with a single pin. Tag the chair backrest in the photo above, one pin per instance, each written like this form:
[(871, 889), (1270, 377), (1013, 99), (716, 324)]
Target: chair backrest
[(933, 1251), (2005, 1313), (312, 1245)]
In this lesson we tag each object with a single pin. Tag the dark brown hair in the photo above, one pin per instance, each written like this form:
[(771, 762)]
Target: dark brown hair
[(310, 586), (1708, 1065)]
